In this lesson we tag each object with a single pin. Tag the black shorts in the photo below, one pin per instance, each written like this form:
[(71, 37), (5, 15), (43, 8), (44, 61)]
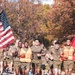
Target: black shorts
[(43, 67)]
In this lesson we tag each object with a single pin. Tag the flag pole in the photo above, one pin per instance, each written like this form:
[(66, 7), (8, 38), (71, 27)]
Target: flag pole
[(1, 62)]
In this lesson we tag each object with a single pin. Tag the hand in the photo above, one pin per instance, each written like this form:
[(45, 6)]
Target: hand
[(47, 55), (51, 58), (64, 58), (38, 55)]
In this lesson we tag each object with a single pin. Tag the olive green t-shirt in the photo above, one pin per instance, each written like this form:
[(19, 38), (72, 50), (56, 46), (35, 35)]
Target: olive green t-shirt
[(56, 53), (38, 50)]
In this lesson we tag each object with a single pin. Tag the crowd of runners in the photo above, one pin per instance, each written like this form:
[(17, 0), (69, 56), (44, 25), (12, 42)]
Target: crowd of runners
[(37, 59)]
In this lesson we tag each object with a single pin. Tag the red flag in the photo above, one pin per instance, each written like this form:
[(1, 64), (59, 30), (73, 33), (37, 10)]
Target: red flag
[(73, 42)]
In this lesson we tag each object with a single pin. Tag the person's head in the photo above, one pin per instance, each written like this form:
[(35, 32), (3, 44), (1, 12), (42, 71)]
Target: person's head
[(42, 45), (37, 43), (20, 44), (7, 48), (68, 42), (33, 43), (54, 42), (57, 45), (26, 44), (16, 43), (23, 45)]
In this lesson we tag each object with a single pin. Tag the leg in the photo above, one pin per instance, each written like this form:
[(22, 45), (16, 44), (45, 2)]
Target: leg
[(1, 61), (37, 71), (23, 71), (70, 71), (17, 71), (57, 68), (43, 67), (66, 67), (16, 68), (27, 71), (66, 72), (28, 68), (1, 66), (43, 72), (38, 68), (59, 72), (70, 67), (33, 68), (55, 71), (50, 63), (51, 69)]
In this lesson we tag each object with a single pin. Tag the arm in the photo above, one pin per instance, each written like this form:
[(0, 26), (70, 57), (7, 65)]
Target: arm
[(49, 54), (42, 52), (62, 56)]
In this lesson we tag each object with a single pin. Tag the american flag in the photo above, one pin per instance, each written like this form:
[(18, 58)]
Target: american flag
[(6, 34)]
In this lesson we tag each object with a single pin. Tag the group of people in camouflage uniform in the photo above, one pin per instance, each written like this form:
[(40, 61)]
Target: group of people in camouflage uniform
[(37, 59)]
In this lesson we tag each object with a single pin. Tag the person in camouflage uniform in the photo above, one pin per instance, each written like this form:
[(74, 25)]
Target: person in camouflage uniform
[(38, 54)]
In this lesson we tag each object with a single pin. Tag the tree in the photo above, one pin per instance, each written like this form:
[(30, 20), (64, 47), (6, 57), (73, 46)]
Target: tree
[(29, 20), (63, 14)]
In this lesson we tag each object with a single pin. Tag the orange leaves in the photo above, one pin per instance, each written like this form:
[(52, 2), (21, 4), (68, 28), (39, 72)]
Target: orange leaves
[(29, 20)]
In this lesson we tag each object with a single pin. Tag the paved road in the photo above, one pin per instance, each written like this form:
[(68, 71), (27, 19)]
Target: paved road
[(15, 74), (8, 73), (63, 73)]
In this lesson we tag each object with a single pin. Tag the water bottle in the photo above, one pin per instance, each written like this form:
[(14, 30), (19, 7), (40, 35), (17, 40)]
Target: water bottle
[(30, 73)]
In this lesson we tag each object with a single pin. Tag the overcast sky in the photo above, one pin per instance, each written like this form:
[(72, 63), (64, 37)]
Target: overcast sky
[(43, 1), (47, 1)]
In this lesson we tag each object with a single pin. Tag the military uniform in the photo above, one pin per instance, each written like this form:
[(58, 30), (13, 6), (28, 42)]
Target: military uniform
[(68, 54), (25, 58), (36, 59), (1, 54), (56, 53), (15, 57), (49, 61), (8, 58), (44, 62)]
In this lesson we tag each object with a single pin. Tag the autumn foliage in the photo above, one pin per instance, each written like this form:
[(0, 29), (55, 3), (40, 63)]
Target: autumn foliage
[(29, 20)]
